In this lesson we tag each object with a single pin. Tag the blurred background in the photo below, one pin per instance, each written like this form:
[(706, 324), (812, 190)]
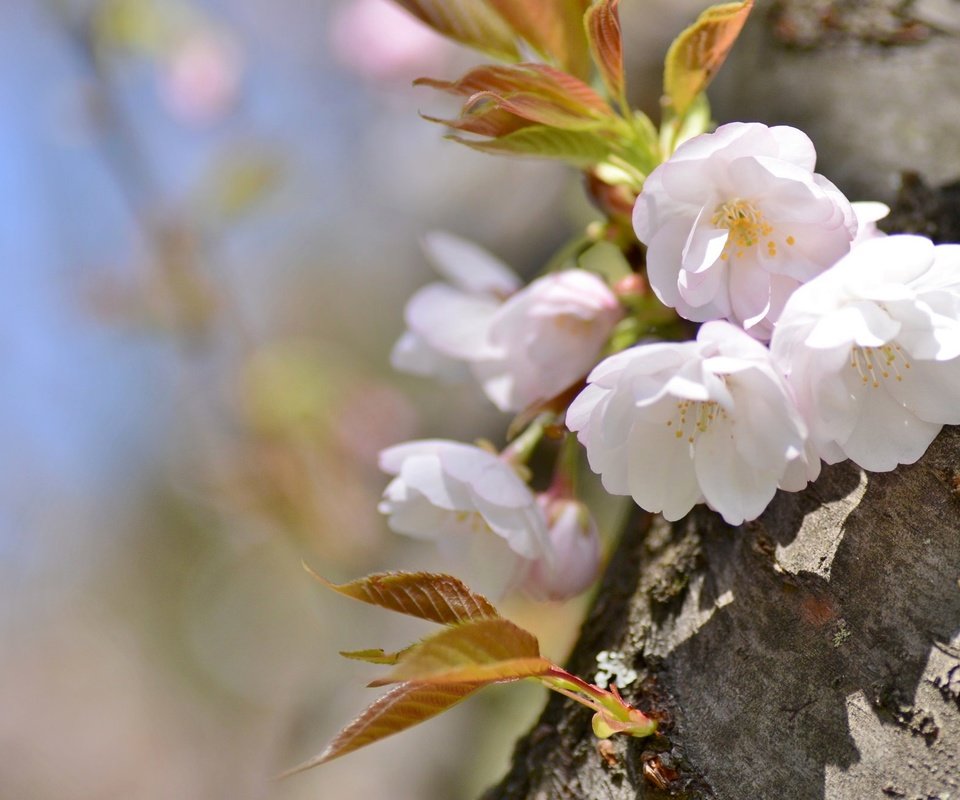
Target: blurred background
[(210, 223)]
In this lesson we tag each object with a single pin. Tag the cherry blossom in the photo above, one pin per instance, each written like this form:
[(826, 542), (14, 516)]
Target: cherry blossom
[(447, 322), (545, 338), (872, 350), (522, 345), (735, 220), (677, 423), (574, 558), (455, 493)]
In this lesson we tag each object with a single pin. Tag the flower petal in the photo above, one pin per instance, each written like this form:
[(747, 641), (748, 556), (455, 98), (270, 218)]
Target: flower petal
[(468, 266), (886, 433), (451, 322), (660, 470)]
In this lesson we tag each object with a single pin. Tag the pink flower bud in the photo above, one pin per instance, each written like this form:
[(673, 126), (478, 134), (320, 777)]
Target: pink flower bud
[(571, 565)]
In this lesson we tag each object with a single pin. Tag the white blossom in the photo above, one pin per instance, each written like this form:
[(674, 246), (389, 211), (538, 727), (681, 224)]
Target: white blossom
[(735, 220), (675, 424), (545, 338), (447, 322), (522, 345), (872, 350), (455, 493), (574, 557)]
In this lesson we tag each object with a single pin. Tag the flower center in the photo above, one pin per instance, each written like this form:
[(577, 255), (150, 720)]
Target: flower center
[(874, 364), (473, 520), (747, 228), (694, 417)]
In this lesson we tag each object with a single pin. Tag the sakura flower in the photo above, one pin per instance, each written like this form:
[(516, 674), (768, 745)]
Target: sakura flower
[(545, 338), (872, 350), (675, 424), (455, 493), (574, 556), (447, 323), (735, 220), (522, 346)]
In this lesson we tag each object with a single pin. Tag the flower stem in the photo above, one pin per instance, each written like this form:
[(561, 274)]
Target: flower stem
[(613, 713)]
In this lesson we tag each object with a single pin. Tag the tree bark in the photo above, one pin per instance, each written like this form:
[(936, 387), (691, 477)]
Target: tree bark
[(815, 653)]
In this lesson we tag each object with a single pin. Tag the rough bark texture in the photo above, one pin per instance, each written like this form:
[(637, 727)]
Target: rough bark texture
[(875, 83), (815, 653)]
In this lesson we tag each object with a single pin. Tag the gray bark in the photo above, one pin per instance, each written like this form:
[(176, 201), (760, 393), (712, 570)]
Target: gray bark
[(815, 653)]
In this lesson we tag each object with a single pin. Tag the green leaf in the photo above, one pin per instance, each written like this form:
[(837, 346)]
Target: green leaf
[(554, 28), (403, 707), (470, 22), (581, 148), (602, 23), (606, 260), (374, 656), (482, 650), (431, 596), (697, 53)]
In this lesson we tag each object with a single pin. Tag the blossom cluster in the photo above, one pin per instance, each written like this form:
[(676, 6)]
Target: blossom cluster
[(822, 339)]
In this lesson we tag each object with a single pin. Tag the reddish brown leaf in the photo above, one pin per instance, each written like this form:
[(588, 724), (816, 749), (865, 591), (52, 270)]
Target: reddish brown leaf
[(697, 53), (435, 597), (533, 108), (554, 28), (540, 80), (470, 22), (403, 707), (480, 650), (602, 22), (490, 121)]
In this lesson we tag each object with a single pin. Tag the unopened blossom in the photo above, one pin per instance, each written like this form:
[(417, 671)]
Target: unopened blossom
[(447, 322), (676, 424), (734, 221), (545, 338), (574, 557), (456, 493), (872, 350)]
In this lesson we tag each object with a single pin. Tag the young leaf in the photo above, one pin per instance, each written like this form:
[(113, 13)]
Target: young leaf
[(554, 28), (470, 22), (602, 22), (580, 148), (482, 650), (541, 80), (533, 108), (430, 596), (403, 707), (490, 121), (374, 656), (697, 53)]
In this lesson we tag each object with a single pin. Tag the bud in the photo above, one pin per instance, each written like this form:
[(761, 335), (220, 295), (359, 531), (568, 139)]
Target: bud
[(571, 565)]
